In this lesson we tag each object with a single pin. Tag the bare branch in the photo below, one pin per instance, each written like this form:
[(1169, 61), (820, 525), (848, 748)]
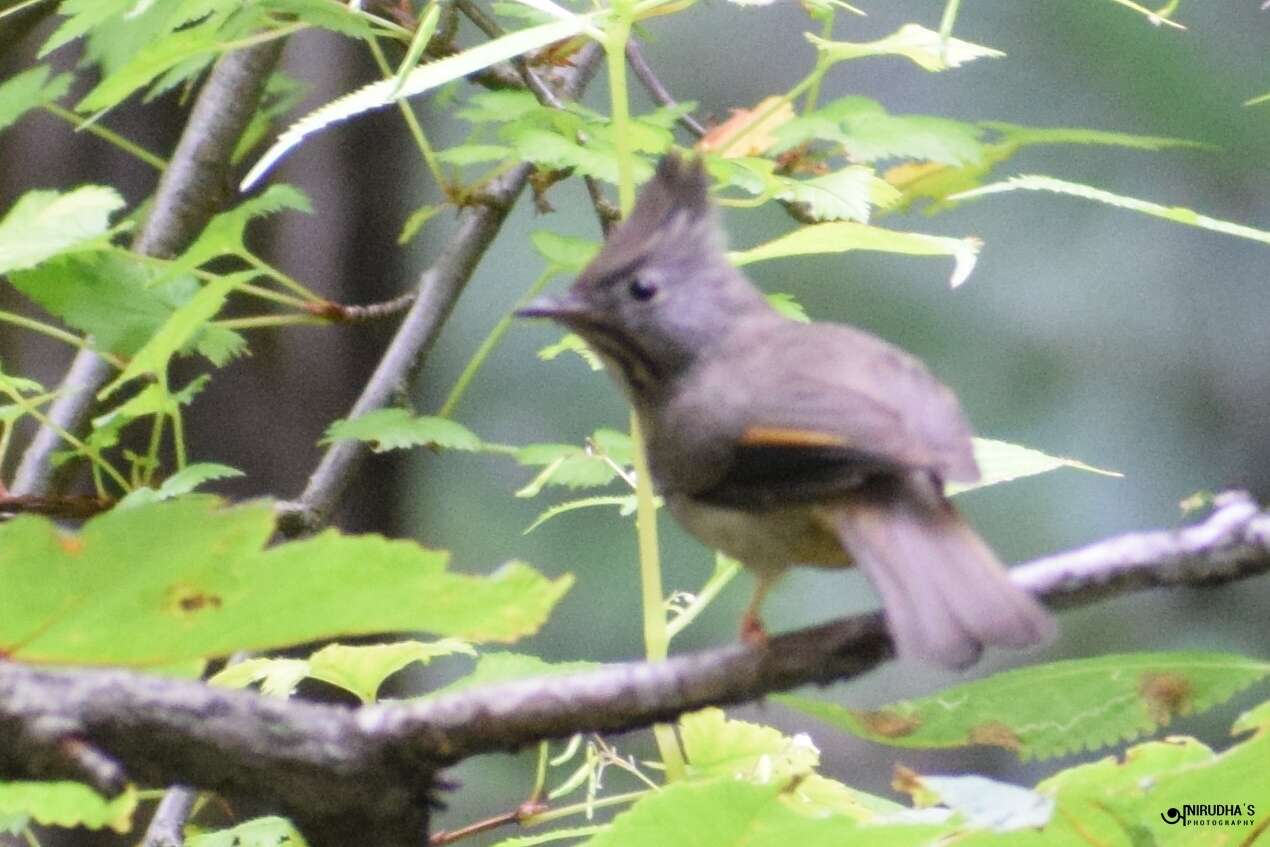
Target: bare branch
[(655, 88), (438, 290), (191, 190), (333, 769)]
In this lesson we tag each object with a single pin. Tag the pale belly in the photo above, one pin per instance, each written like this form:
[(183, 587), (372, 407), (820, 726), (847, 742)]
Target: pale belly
[(769, 540)]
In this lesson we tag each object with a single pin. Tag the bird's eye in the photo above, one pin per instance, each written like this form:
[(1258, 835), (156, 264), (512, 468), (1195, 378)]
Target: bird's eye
[(642, 290)]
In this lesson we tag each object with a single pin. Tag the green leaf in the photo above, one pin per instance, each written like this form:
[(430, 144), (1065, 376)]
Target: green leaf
[(360, 670), (29, 90), (1157, 17), (786, 305), (151, 61), (225, 232), (1158, 777), (474, 154), (847, 194), (120, 301), (717, 746), (571, 342), (870, 134), (67, 804), (414, 224), (182, 482), (573, 466), (1053, 709), (420, 79), (730, 813), (842, 236), (625, 503), (182, 579), (1177, 214), (395, 428), (1001, 461), (509, 667), (180, 328), (260, 832), (567, 252), (43, 224), (922, 46), (498, 106), (277, 677), (1027, 136)]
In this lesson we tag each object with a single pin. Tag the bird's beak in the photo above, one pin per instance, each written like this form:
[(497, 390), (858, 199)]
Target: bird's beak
[(561, 308)]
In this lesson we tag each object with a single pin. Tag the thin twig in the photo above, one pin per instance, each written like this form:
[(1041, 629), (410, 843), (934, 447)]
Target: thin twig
[(655, 88)]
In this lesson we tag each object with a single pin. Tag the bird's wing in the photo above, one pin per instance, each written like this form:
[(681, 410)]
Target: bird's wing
[(822, 408)]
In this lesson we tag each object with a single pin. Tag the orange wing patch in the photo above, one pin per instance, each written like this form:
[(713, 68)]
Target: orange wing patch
[(779, 436)]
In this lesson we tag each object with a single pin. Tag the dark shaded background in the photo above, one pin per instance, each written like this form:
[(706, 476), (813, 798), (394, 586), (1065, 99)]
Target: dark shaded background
[(1121, 340)]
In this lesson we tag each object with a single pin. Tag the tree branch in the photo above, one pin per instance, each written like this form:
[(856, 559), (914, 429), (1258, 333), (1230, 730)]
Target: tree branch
[(192, 189), (332, 768), (438, 290)]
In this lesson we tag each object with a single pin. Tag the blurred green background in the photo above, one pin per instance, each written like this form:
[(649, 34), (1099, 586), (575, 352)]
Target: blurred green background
[(1087, 331)]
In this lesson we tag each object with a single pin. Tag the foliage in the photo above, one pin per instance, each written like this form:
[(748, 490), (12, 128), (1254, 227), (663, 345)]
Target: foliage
[(170, 578)]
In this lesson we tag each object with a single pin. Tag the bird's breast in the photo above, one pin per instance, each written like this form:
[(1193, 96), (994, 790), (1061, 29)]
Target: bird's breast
[(761, 539)]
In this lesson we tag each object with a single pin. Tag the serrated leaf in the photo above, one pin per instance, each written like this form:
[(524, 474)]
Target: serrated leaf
[(748, 132), (498, 106), (415, 223), (182, 579), (1001, 461), (277, 677), (624, 503), (843, 236), (421, 79), (731, 813), (29, 90), (1048, 710), (924, 47), (788, 306), (507, 667), (180, 328), (67, 804), (151, 61), (260, 832), (1028, 136), (182, 482), (1177, 214), (43, 224), (119, 301), (573, 466), (869, 134), (718, 746), (847, 194), (567, 252), (360, 670), (225, 232), (395, 428)]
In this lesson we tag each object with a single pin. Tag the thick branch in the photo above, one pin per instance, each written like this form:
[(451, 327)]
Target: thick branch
[(191, 190), (326, 764), (439, 289)]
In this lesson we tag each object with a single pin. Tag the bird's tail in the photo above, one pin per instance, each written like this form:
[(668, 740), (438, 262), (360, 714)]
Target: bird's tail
[(945, 593)]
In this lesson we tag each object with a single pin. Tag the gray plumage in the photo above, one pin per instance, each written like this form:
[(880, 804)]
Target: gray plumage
[(784, 443)]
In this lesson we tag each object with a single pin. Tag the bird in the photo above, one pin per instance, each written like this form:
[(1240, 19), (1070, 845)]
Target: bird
[(784, 443)]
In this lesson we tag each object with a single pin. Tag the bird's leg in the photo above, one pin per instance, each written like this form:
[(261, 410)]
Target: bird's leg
[(752, 632)]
